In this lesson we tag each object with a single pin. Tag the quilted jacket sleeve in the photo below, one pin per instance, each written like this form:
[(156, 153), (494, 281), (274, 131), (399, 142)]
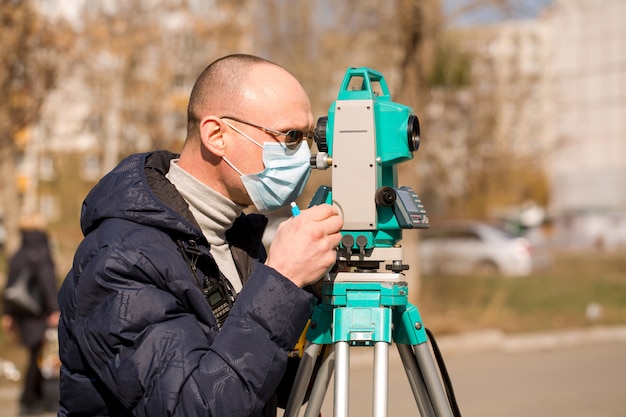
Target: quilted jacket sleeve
[(247, 360), (149, 338)]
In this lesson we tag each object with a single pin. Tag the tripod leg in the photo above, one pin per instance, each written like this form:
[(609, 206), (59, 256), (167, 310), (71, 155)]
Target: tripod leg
[(320, 386), (433, 382), (416, 380), (424, 380), (303, 377), (381, 379), (342, 378)]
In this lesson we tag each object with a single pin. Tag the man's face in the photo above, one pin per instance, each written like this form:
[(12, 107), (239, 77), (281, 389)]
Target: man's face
[(275, 103)]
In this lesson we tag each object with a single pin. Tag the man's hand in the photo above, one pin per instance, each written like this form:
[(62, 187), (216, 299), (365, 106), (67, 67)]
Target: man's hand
[(8, 325), (303, 249), (53, 319)]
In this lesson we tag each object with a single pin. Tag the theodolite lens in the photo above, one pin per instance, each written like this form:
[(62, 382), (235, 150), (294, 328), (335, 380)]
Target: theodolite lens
[(413, 133)]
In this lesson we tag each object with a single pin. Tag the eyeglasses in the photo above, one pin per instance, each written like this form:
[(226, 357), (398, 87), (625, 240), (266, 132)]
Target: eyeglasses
[(292, 137)]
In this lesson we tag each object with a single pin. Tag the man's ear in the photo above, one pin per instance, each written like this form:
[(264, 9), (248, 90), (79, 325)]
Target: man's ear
[(211, 134)]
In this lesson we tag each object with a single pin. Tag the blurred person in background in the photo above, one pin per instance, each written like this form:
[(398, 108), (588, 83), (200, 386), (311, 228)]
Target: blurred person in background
[(30, 307)]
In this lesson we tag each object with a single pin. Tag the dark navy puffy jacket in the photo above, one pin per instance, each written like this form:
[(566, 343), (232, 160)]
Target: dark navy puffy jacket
[(137, 336)]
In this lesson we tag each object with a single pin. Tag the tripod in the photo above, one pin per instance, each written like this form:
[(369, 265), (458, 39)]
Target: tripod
[(369, 309)]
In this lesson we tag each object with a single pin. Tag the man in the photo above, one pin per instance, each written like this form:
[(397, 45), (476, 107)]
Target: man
[(147, 325)]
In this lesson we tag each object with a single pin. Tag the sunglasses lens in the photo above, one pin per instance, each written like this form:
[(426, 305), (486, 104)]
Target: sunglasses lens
[(293, 138)]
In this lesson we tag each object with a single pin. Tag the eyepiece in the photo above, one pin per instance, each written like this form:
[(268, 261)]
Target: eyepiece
[(319, 134), (385, 196)]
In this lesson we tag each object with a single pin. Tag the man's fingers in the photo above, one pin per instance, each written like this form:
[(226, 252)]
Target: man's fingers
[(325, 216), (320, 212)]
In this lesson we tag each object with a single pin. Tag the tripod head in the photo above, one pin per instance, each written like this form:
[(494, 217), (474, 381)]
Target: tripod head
[(363, 138)]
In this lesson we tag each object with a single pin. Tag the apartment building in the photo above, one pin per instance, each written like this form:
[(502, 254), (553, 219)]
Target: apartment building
[(588, 167), (559, 84)]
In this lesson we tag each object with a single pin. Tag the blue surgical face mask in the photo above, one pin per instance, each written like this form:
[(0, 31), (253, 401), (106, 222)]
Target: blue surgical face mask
[(283, 179)]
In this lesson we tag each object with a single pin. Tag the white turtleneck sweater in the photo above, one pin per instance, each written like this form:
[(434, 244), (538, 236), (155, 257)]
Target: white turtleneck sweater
[(214, 213)]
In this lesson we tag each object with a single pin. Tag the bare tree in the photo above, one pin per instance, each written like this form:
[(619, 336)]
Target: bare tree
[(466, 165), (140, 64), (419, 24), (31, 49), (398, 41), (483, 122)]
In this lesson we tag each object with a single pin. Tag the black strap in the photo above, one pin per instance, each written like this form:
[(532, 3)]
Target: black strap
[(216, 288), (447, 382)]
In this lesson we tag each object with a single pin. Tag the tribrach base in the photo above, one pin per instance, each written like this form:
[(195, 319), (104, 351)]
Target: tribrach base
[(367, 313)]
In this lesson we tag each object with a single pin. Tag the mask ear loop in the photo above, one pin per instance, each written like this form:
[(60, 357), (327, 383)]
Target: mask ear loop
[(232, 166)]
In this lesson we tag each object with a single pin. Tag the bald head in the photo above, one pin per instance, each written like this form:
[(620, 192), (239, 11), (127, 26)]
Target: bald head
[(253, 91), (222, 87)]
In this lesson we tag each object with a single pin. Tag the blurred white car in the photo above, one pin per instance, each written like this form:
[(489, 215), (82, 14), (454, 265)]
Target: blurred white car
[(475, 248)]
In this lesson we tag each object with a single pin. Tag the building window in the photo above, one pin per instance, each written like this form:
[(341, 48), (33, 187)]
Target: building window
[(47, 170)]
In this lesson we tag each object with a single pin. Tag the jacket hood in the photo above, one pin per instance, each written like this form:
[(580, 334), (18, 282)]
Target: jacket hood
[(137, 190)]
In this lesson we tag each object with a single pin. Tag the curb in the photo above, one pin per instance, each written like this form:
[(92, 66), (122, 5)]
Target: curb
[(495, 339)]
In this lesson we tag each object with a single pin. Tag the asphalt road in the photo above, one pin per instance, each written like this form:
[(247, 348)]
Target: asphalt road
[(581, 381), (572, 373)]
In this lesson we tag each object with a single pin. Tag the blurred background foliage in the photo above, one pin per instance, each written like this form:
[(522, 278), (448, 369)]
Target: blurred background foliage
[(111, 78), (86, 82)]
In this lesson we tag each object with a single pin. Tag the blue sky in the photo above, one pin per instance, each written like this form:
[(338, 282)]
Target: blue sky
[(518, 9)]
